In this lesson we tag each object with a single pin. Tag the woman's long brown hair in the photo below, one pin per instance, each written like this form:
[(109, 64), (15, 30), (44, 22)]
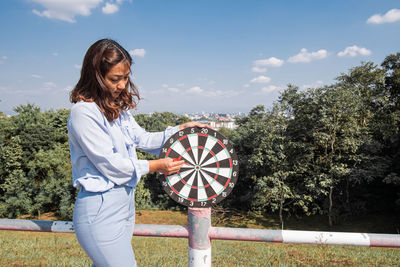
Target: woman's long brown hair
[(91, 87)]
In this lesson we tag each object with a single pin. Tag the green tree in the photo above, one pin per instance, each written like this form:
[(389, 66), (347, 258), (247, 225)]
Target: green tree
[(323, 137), (35, 168), (158, 121), (302, 111), (50, 176), (14, 201), (391, 65), (245, 139), (273, 191), (338, 137)]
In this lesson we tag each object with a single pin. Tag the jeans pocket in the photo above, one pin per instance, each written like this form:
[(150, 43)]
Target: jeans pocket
[(98, 203), (87, 207)]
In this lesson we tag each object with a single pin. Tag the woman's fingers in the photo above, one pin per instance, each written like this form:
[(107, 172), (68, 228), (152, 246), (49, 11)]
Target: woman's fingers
[(193, 124), (174, 166), (166, 166)]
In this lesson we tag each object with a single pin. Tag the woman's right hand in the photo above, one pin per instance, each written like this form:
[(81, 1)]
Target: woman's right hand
[(165, 166)]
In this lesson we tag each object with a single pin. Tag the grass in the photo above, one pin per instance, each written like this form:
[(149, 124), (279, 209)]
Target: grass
[(56, 249)]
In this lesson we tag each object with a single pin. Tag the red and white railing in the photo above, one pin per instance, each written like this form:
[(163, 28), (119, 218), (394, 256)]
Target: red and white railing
[(200, 233)]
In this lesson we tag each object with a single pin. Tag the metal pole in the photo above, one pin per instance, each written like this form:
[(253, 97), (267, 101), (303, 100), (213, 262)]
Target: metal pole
[(199, 223), (222, 233)]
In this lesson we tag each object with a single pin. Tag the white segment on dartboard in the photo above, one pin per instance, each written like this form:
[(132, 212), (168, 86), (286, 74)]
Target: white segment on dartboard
[(219, 157), (194, 142), (209, 161), (226, 172), (213, 170), (195, 153), (185, 173), (218, 188), (187, 187), (173, 179), (209, 145), (201, 191), (223, 154), (177, 146)]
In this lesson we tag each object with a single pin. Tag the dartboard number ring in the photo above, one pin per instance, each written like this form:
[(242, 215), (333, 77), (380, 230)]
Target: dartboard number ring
[(211, 167)]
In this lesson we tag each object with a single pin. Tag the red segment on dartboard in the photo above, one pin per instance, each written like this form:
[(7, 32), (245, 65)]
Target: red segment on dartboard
[(211, 168)]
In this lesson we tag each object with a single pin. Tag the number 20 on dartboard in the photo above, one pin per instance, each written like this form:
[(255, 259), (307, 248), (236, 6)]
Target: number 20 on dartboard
[(211, 168)]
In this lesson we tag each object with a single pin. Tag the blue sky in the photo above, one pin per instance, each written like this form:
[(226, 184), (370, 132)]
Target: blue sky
[(191, 55)]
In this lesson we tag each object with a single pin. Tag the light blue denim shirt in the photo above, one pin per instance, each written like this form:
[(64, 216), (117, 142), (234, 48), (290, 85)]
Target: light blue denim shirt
[(103, 153)]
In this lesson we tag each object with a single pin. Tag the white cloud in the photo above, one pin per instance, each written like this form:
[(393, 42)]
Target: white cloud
[(68, 88), (55, 54), (194, 90), (258, 69), (259, 66), (246, 85), (65, 10), (77, 66), (49, 85), (261, 79), (216, 93), (269, 62), (173, 89), (155, 92), (316, 84), (36, 76), (140, 52), (110, 8), (165, 85), (390, 16), (3, 59), (269, 89), (353, 51), (180, 84), (306, 57)]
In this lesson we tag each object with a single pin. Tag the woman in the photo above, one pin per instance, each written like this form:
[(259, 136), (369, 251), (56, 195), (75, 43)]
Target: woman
[(103, 138)]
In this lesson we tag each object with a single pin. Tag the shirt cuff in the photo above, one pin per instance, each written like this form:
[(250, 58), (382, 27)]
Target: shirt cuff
[(170, 131), (142, 168)]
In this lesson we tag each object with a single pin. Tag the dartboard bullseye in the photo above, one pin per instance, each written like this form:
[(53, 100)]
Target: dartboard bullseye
[(211, 168)]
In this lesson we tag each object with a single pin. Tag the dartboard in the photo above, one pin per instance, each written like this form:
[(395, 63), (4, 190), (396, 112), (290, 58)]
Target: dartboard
[(210, 171)]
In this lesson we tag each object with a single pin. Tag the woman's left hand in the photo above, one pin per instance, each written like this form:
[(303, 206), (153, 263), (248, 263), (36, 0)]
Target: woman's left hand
[(193, 124)]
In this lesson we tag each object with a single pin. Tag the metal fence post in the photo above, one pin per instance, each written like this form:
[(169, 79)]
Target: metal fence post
[(199, 223)]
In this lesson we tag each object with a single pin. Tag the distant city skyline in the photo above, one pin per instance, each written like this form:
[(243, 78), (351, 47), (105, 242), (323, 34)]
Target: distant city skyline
[(213, 56)]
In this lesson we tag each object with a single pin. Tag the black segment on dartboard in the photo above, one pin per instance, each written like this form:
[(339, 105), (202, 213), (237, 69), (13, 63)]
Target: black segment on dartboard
[(178, 186), (186, 167), (185, 175), (195, 184), (215, 150), (201, 192), (225, 163), (173, 154), (220, 179), (201, 139), (186, 145), (194, 192), (209, 190)]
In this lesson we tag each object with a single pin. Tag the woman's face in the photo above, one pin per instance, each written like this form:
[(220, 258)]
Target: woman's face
[(117, 78)]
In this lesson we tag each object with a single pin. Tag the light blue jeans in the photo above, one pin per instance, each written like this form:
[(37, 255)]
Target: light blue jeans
[(104, 223)]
